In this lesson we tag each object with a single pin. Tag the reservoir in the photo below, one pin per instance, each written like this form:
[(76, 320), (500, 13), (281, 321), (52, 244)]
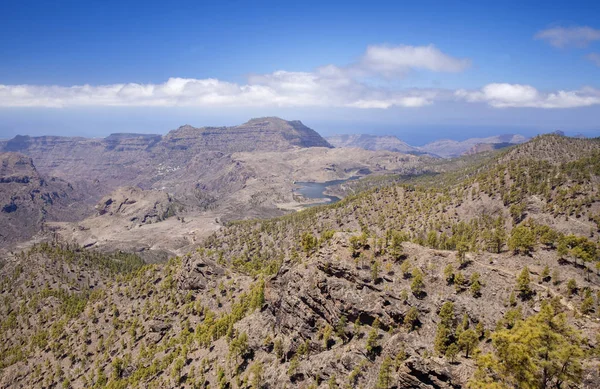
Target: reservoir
[(314, 190)]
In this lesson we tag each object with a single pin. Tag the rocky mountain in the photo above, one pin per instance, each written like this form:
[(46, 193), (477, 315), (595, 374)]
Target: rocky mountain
[(181, 160), (215, 172), (262, 134), (483, 276), (448, 148), (28, 200), (143, 160), (372, 142)]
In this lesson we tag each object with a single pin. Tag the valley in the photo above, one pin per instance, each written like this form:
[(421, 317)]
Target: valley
[(214, 175)]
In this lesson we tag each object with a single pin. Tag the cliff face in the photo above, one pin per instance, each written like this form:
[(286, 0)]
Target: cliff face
[(28, 200), (262, 134)]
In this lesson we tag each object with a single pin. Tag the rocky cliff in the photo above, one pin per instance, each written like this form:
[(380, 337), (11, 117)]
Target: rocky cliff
[(28, 200), (262, 134)]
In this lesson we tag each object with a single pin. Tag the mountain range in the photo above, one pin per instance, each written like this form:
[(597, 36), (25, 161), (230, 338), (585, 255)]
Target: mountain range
[(440, 275), (445, 148)]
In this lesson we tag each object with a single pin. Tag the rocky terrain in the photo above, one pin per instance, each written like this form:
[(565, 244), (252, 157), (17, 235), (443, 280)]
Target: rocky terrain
[(484, 276), (142, 220), (225, 173), (146, 222), (29, 200)]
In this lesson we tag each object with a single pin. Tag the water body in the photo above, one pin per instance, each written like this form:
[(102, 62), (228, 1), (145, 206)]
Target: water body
[(314, 190)]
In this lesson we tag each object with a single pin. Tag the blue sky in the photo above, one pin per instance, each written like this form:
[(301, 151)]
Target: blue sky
[(419, 70)]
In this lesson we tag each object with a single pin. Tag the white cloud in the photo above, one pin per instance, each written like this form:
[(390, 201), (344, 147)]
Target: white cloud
[(517, 95), (569, 36), (595, 58), (279, 89), (397, 60), (327, 86)]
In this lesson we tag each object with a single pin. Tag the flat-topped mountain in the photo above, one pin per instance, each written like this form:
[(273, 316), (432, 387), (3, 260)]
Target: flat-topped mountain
[(146, 160), (372, 142), (261, 134)]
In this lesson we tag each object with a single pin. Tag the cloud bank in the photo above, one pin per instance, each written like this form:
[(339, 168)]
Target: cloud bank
[(328, 86), (569, 36), (526, 96)]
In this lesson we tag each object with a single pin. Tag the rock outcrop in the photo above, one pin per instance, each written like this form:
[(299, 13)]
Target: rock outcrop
[(137, 206)]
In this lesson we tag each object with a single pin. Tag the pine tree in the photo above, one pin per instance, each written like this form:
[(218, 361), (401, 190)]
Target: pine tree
[(396, 249), (340, 328), (309, 243), (523, 284), (417, 285), (452, 352), (442, 339), (467, 341), (372, 342), (374, 270), (545, 274), (331, 383), (475, 285), (587, 305), (543, 351), (462, 248), (447, 314), (384, 380), (405, 268), (449, 273), (522, 240), (572, 287), (411, 319), (256, 370)]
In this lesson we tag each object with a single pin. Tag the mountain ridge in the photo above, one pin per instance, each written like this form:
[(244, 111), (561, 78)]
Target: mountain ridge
[(445, 148)]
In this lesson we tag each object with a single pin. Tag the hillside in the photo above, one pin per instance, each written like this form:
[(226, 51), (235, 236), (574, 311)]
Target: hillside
[(431, 283)]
